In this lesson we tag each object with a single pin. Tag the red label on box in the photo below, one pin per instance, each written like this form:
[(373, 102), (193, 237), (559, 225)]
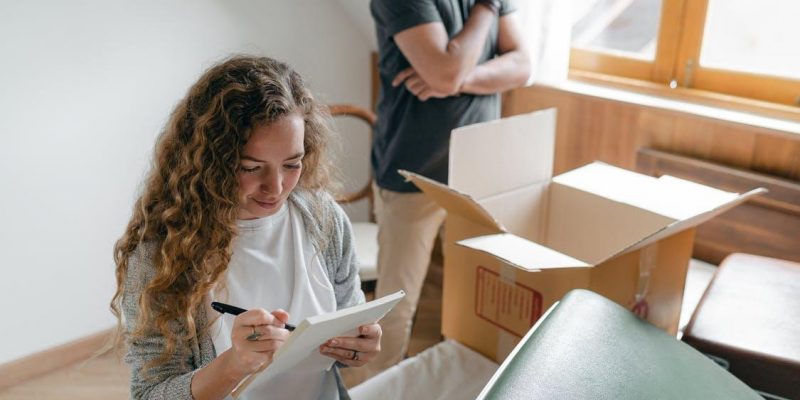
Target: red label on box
[(641, 308), (509, 305)]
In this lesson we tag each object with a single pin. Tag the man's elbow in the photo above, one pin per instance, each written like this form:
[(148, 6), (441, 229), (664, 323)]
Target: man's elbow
[(524, 68), (449, 87), (447, 81)]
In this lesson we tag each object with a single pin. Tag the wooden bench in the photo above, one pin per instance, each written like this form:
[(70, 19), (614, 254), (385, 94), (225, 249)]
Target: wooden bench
[(749, 320)]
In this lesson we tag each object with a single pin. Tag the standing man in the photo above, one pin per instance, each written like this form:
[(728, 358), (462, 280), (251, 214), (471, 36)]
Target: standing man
[(442, 65)]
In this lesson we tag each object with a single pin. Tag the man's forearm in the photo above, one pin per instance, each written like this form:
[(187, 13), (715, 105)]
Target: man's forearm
[(465, 49), (443, 62), (508, 71)]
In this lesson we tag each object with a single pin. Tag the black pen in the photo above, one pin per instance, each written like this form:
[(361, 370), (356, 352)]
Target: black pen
[(233, 310)]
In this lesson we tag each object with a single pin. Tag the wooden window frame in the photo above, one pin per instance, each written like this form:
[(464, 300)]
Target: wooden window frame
[(680, 38)]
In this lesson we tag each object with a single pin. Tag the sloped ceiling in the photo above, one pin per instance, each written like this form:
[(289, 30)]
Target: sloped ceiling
[(358, 12)]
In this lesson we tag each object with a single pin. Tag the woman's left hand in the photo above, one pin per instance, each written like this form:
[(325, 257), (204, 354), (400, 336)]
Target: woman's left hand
[(355, 351)]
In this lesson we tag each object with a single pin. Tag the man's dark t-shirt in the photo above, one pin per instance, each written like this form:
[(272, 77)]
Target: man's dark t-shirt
[(412, 134)]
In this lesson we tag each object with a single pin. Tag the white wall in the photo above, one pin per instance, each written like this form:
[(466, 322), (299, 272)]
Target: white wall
[(85, 86), (360, 16)]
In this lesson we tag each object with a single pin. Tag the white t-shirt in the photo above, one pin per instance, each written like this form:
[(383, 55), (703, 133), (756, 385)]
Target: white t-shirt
[(273, 266)]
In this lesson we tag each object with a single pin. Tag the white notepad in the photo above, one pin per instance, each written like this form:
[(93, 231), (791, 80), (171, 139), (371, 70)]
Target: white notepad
[(303, 344)]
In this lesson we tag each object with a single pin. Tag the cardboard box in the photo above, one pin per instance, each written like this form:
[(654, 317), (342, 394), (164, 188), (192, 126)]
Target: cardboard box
[(516, 239)]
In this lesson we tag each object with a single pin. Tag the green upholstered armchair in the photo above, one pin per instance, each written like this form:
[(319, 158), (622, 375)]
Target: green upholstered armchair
[(588, 347)]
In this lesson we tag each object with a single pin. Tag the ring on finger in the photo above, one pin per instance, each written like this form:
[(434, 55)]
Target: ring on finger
[(355, 356), (254, 336)]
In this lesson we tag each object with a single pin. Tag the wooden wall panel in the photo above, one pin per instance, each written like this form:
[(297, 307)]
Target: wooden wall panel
[(659, 128), (594, 128), (776, 155), (733, 147)]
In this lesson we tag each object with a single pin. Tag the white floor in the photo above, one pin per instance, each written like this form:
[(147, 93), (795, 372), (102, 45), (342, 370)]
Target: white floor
[(697, 280)]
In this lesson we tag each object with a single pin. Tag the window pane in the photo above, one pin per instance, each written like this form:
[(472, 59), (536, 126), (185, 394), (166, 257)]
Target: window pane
[(625, 27), (752, 36)]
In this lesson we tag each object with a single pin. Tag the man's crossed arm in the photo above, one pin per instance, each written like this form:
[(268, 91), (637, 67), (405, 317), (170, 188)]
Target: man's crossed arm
[(442, 67)]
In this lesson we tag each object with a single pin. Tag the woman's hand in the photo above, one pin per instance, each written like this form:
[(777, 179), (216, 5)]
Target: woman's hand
[(217, 379), (355, 351), (255, 337)]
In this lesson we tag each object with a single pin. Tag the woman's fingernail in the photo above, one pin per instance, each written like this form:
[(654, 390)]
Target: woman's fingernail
[(333, 342)]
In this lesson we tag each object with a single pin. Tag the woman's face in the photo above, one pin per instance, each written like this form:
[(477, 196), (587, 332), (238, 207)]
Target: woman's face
[(272, 160)]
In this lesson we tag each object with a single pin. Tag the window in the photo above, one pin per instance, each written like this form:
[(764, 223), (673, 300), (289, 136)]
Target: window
[(627, 28), (739, 47)]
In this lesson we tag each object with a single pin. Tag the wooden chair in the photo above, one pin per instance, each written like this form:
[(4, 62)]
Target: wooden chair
[(365, 233)]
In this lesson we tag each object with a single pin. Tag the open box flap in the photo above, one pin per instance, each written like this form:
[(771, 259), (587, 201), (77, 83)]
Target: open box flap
[(495, 157), (671, 197), (521, 253), (679, 226), (453, 201)]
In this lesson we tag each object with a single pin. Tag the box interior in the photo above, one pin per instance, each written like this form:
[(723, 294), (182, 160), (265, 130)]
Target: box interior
[(593, 228)]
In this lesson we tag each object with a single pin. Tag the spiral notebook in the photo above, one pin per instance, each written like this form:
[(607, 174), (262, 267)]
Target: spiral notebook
[(303, 344)]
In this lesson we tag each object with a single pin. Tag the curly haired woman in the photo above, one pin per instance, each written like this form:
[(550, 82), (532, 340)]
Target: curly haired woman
[(236, 209)]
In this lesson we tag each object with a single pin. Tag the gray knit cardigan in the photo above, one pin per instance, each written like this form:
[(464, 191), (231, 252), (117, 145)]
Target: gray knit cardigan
[(172, 380)]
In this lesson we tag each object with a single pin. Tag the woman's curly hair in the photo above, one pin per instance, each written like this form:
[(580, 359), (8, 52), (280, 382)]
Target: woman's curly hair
[(189, 204)]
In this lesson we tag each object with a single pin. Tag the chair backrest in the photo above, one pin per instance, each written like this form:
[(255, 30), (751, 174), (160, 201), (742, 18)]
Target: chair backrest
[(365, 191)]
